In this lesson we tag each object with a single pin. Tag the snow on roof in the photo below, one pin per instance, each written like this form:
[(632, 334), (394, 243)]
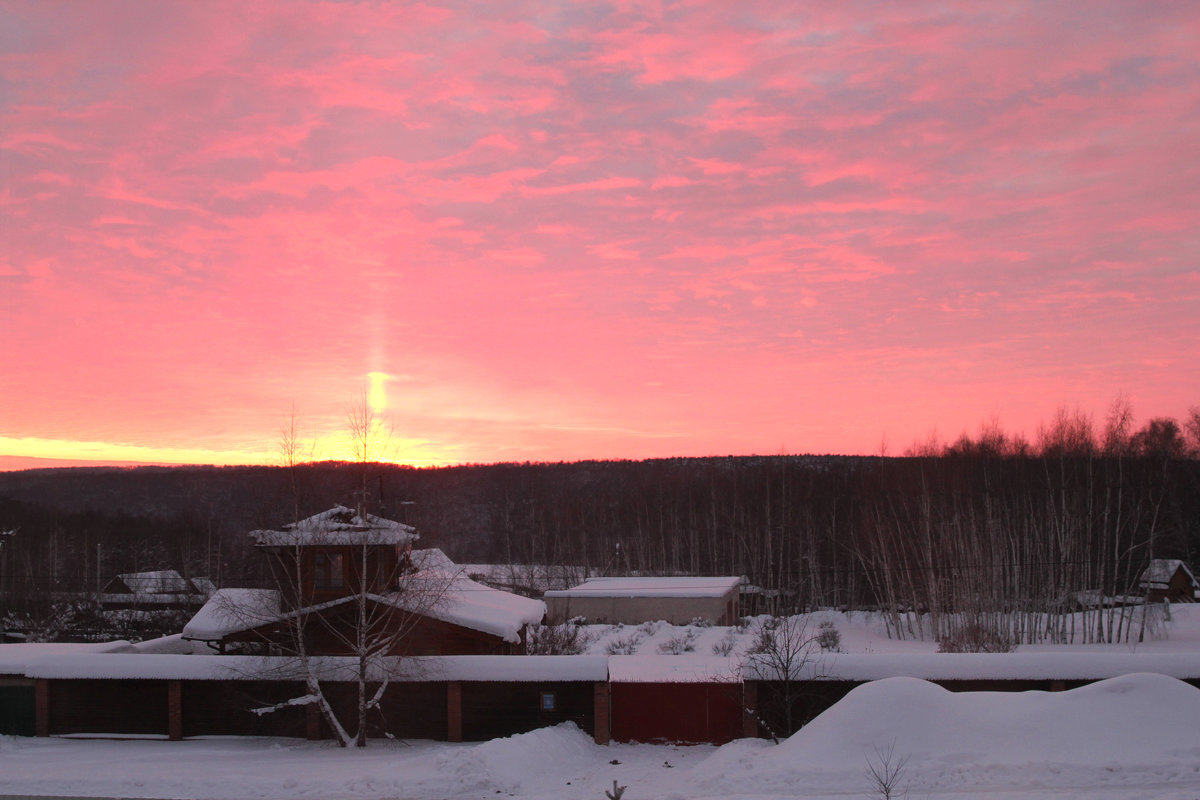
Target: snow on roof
[(231, 610), (455, 598), (650, 586), (15, 657), (536, 577), (446, 596), (204, 585), (332, 668), (1159, 571), (984, 666), (673, 669), (175, 644), (163, 581), (434, 559), (338, 525)]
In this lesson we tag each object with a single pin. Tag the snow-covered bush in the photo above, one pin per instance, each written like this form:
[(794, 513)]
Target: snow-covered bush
[(625, 646), (975, 637), (679, 644), (726, 645), (828, 637), (567, 639)]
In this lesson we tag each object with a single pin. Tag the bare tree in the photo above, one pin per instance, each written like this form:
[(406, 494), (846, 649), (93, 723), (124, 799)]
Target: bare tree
[(348, 595), (343, 611), (785, 655), (885, 770)]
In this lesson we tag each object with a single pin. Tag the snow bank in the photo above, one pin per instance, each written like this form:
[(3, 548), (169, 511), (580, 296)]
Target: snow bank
[(1080, 664), (1127, 723), (508, 765), (1086, 725)]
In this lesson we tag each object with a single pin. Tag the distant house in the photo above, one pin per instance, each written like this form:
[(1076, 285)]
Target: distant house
[(159, 589), (632, 600), (341, 556), (1169, 579)]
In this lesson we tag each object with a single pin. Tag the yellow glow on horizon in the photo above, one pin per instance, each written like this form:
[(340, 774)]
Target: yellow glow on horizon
[(377, 395), (75, 450), (413, 452)]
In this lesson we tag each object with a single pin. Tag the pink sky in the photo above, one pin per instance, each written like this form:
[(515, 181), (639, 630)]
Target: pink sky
[(590, 230)]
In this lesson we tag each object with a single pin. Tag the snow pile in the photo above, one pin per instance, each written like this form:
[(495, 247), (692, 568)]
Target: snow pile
[(928, 721), (1133, 725), (509, 765)]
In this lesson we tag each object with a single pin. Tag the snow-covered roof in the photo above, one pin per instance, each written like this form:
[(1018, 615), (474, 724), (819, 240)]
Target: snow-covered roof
[(432, 558), (339, 525), (439, 593), (650, 586), (481, 608), (232, 610), (14, 658), (163, 581), (204, 585), (1159, 571), (535, 577), (102, 666), (673, 669)]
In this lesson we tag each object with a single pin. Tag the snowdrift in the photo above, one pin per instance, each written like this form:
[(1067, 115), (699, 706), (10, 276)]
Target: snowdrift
[(1122, 724)]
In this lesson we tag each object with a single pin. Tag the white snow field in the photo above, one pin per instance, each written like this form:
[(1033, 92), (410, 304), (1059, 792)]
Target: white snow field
[(1136, 736)]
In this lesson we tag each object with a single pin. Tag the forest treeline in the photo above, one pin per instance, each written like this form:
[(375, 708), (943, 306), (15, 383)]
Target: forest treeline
[(986, 530)]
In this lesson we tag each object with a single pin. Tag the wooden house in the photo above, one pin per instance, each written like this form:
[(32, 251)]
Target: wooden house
[(162, 589), (341, 571)]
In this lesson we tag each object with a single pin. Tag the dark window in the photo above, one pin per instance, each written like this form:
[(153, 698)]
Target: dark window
[(547, 701), (327, 570)]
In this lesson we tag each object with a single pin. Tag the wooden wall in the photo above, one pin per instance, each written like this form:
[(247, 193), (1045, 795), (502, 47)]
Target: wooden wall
[(492, 710), (107, 706), (676, 712)]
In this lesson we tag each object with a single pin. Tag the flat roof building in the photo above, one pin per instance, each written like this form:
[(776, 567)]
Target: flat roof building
[(633, 600)]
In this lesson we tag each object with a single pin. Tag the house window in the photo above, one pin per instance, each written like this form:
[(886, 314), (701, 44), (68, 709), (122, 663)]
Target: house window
[(547, 701), (327, 570)]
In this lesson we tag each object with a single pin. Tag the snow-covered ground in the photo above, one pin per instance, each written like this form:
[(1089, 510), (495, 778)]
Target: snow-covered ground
[(863, 633), (1136, 736)]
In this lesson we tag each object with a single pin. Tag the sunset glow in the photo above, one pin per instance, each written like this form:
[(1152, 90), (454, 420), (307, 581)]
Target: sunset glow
[(556, 231)]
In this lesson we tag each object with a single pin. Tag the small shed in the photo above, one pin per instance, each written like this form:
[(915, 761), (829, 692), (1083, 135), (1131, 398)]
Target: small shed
[(633, 600), (1169, 579)]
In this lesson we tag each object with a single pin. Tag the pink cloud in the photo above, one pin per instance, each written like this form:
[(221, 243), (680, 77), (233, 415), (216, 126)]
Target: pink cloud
[(566, 222)]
